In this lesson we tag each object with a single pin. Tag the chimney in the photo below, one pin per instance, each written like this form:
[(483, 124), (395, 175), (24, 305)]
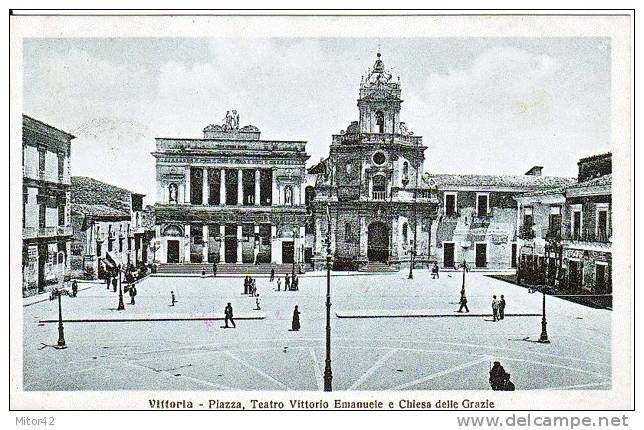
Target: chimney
[(535, 171)]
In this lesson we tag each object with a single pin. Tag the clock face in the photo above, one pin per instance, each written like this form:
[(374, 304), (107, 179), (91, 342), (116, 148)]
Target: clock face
[(379, 158)]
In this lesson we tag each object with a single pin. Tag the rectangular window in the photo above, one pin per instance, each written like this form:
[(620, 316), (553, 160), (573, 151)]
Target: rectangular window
[(554, 222), (450, 204), (61, 214), (576, 224), (61, 165), (602, 225), (482, 204), (41, 159), (527, 216), (481, 254)]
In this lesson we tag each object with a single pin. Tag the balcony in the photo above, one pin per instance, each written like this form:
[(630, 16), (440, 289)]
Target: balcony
[(602, 236), (554, 233), (28, 232), (378, 195), (65, 230), (526, 231), (48, 231)]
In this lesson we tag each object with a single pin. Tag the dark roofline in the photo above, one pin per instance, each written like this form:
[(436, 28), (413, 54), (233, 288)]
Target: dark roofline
[(71, 136), (109, 185), (595, 157), (216, 139)]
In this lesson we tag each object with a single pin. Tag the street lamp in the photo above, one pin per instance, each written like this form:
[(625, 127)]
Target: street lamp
[(412, 254), (464, 266), (57, 293), (121, 306), (328, 374)]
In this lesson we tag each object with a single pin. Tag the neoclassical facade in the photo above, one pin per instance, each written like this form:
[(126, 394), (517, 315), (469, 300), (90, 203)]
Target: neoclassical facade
[(371, 185), (230, 197)]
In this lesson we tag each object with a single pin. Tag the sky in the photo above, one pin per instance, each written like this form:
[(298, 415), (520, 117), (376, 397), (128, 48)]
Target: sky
[(482, 105)]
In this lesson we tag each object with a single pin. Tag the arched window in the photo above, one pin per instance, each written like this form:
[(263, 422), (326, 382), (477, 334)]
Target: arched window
[(379, 187), (347, 232), (380, 121), (288, 195), (405, 233)]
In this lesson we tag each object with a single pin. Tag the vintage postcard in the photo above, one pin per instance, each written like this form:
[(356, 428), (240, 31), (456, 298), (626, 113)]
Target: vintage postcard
[(404, 211)]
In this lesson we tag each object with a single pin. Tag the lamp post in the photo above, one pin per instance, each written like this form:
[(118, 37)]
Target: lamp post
[(58, 292), (464, 266), (328, 374), (543, 338), (412, 254), (121, 306)]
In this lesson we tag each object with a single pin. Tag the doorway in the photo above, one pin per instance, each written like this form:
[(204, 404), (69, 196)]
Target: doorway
[(173, 251), (448, 254), (378, 242), (481, 255), (288, 252)]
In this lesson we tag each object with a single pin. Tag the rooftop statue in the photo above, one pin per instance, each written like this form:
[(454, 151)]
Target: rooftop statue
[(378, 75)]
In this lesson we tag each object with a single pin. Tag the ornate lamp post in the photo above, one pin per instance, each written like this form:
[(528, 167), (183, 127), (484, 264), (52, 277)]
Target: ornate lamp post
[(464, 266), (412, 254), (57, 293), (121, 306), (328, 374)]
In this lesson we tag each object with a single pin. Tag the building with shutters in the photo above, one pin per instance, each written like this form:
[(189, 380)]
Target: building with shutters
[(46, 224), (230, 197)]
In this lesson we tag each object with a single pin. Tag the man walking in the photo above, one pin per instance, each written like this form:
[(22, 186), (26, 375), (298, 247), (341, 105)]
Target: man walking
[(172, 298), (495, 308), (435, 274), (228, 316), (214, 269), (132, 293), (287, 283), (502, 307), (463, 303), (272, 275), (114, 283)]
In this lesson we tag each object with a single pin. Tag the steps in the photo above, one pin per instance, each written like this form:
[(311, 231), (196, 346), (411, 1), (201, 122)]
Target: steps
[(376, 266), (225, 269)]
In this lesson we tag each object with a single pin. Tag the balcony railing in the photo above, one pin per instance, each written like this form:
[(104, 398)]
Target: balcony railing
[(553, 233), (590, 236), (47, 231), (65, 230), (378, 195), (526, 231)]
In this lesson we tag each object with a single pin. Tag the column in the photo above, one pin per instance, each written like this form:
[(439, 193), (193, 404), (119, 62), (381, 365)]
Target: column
[(274, 191), (186, 193), (257, 189), (256, 244), (318, 236), (222, 188), (240, 187), (204, 255), (206, 189), (186, 247), (222, 242), (275, 259), (363, 237), (239, 243)]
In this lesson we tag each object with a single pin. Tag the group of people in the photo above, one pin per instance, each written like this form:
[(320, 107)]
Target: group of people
[(250, 286), (112, 279), (500, 379), (290, 283), (498, 308)]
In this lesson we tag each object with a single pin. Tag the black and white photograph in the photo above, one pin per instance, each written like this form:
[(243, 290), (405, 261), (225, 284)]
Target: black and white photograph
[(419, 211)]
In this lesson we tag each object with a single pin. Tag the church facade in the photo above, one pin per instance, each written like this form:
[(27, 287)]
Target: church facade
[(230, 197), (371, 185)]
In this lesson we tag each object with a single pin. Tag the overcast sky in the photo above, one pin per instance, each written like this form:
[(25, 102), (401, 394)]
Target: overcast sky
[(489, 106)]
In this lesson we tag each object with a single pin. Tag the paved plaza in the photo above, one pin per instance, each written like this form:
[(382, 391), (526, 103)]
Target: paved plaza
[(443, 352)]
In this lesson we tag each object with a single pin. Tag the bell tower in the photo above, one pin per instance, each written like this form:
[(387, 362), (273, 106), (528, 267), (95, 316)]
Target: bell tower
[(379, 101)]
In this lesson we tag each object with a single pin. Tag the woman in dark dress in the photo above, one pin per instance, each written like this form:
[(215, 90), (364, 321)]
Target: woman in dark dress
[(296, 319)]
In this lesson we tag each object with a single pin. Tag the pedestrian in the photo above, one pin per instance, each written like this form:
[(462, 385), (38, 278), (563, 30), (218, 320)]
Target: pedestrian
[(435, 271), (203, 273), (132, 294), (114, 283), (295, 326), (228, 316), (257, 306), (502, 307), (173, 298), (495, 308), (287, 283), (279, 283), (496, 376), (214, 269), (463, 303), (108, 281), (246, 285), (272, 274), (74, 288)]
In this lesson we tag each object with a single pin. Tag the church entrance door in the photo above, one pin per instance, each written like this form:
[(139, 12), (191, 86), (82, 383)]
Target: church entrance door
[(378, 242)]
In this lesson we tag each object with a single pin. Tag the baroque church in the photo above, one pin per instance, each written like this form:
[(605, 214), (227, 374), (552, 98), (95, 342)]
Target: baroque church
[(371, 185)]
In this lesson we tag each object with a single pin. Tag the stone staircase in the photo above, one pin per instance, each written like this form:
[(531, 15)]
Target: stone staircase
[(376, 266), (224, 269)]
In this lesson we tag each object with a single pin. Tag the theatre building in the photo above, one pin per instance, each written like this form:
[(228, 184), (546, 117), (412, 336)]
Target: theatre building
[(230, 197)]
